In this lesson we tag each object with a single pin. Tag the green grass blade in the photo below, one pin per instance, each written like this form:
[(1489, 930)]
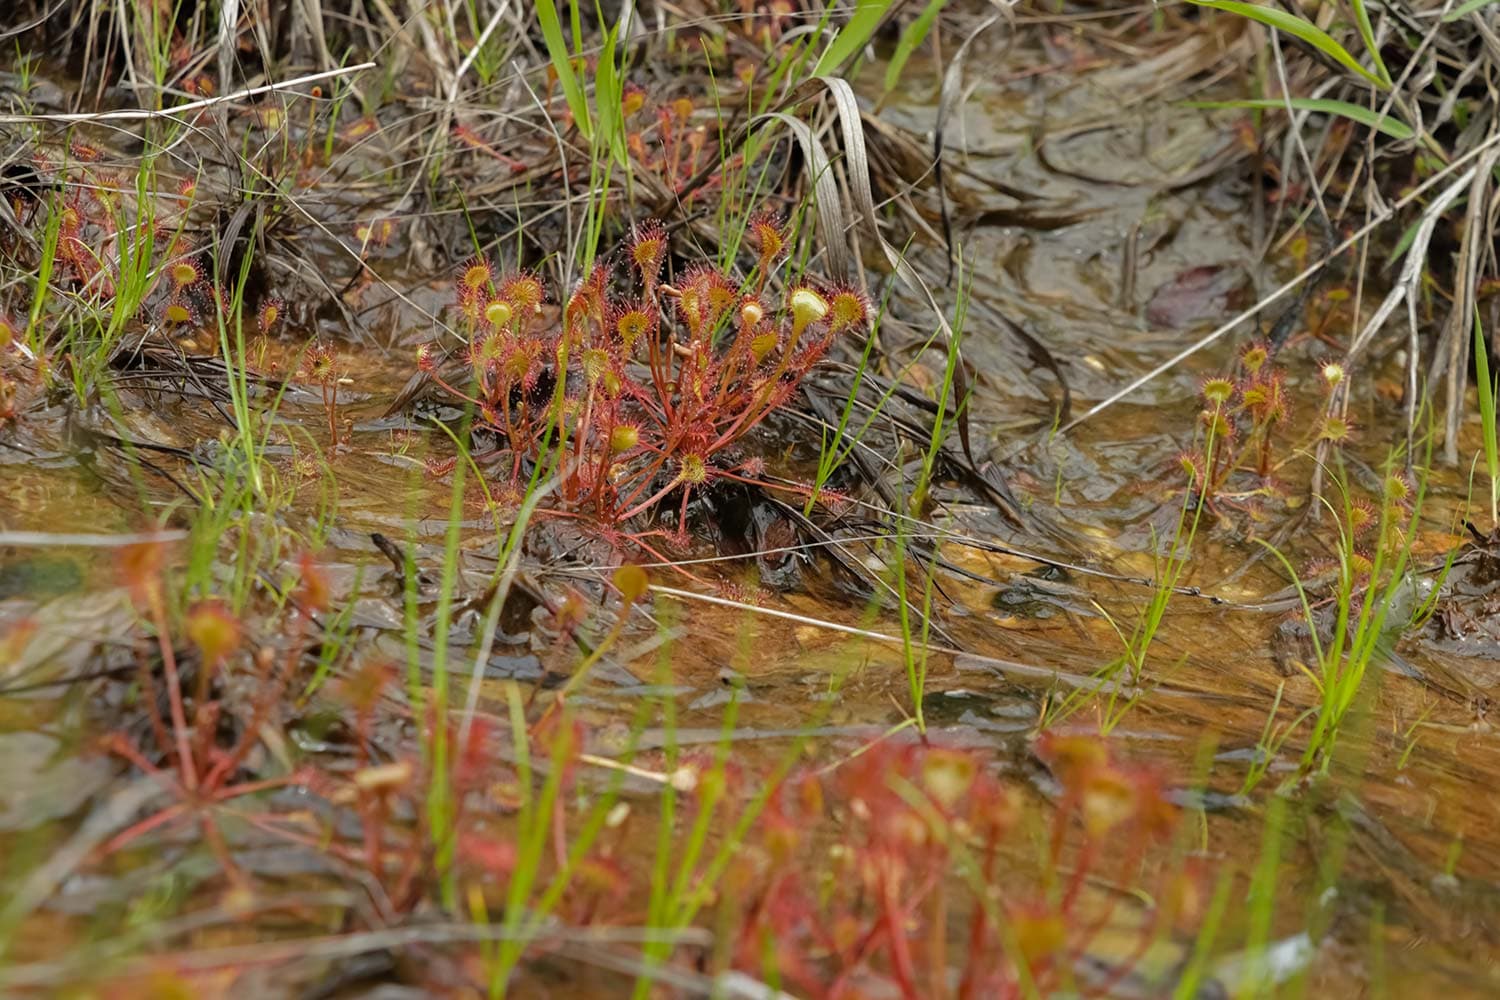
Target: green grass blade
[(557, 51), (1387, 124), (1367, 35), (853, 36), (1297, 28), (608, 87), (1464, 10), (911, 40), (1261, 901)]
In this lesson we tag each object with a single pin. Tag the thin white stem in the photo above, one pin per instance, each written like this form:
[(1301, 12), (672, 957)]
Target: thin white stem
[(51, 538), (137, 114)]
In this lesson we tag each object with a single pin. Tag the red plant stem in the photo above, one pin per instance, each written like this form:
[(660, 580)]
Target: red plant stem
[(407, 889), (174, 692), (370, 806), (1081, 872), (1137, 850), (647, 475), (673, 149), (145, 826), (695, 149), (853, 957), (755, 411), (374, 811), (205, 721), (585, 423), (454, 392), (937, 943), (728, 373), (687, 493), (798, 489), (265, 784), (601, 472), (661, 372), (471, 138), (979, 926), (752, 415), (1265, 450), (331, 406), (117, 744), (651, 402), (247, 739), (215, 838), (1124, 966), (205, 671), (654, 498), (901, 962)]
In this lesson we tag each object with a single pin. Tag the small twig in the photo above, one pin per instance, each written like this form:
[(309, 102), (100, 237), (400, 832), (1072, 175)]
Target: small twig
[(31, 539), (138, 114)]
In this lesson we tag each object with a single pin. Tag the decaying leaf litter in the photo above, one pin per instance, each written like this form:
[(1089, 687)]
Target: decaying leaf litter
[(323, 662)]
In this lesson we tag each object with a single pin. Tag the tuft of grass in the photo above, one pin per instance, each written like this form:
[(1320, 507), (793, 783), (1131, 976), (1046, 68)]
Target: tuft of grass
[(1272, 739), (1370, 604), (1121, 679), (914, 635)]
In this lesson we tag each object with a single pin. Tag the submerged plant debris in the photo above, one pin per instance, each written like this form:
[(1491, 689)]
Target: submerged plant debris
[(748, 500)]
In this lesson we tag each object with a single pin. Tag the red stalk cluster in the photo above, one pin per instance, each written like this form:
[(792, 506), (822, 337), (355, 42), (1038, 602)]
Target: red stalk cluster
[(646, 392)]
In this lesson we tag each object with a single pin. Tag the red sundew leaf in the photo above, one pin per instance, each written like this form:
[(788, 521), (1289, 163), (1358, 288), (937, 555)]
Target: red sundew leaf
[(632, 582), (524, 290), (140, 567), (633, 321), (632, 99), (948, 776), (362, 689), (474, 277), (1108, 800), (179, 311), (185, 273), (648, 249), (1039, 932), (494, 857), (603, 875), (213, 629), (1072, 756), (313, 594), (474, 755), (769, 236), (269, 315)]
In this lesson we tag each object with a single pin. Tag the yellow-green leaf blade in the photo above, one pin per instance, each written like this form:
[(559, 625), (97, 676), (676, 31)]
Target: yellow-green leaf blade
[(1297, 28), (1465, 10), (853, 36)]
